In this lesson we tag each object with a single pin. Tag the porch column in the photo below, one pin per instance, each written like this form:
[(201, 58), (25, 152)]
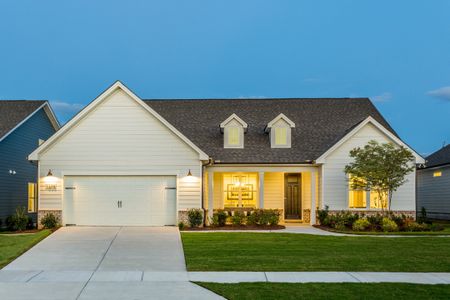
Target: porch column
[(210, 195), (261, 189), (313, 198)]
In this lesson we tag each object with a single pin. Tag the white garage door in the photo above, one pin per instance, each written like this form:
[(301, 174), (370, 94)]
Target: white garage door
[(120, 200)]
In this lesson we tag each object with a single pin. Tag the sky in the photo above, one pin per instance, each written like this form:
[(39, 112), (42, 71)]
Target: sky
[(395, 52)]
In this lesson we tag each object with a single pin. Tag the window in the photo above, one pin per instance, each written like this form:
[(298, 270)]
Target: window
[(280, 130), (233, 129), (233, 136), (32, 197), (437, 174), (281, 136), (363, 199), (240, 190)]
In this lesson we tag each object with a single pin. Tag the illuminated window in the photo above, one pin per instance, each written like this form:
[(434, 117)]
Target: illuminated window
[(233, 136), (357, 197), (377, 201), (32, 197), (437, 174), (240, 190), (281, 136)]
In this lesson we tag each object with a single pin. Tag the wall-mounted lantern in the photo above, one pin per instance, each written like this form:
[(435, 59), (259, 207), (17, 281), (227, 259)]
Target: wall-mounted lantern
[(50, 181)]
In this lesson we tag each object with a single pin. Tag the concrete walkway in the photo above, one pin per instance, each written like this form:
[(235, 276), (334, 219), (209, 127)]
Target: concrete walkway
[(103, 263)]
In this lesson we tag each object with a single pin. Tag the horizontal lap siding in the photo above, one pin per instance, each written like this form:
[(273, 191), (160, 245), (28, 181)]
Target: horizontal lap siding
[(335, 180), (121, 137), (274, 190), (433, 193)]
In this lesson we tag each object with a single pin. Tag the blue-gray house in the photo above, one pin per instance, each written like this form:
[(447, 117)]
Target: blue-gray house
[(433, 185), (23, 125)]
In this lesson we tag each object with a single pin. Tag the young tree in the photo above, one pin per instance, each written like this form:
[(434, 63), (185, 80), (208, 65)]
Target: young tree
[(380, 167)]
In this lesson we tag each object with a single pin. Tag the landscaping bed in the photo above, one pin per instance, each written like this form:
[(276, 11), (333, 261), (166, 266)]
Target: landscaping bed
[(232, 227), (381, 222), (326, 291), (252, 251)]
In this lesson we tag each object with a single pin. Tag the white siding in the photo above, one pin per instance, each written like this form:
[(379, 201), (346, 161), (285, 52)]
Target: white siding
[(119, 137), (335, 190)]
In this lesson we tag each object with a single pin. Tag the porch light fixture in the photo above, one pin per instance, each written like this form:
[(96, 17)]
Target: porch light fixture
[(189, 174), (50, 181)]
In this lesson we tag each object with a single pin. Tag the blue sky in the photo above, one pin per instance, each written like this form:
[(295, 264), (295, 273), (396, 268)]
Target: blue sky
[(395, 52)]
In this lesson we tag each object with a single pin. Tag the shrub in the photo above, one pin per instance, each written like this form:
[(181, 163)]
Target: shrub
[(195, 217), (274, 217), (375, 221), (339, 225), (388, 225), (322, 215), (412, 226), (253, 218), (18, 221), (238, 218), (435, 227), (422, 218), (30, 223), (10, 223), (219, 218), (361, 224), (49, 220), (181, 225)]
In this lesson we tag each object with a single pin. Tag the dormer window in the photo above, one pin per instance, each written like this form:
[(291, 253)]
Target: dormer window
[(279, 130), (233, 129)]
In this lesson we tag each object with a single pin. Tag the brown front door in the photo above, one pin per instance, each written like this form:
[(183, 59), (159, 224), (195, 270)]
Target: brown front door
[(292, 196)]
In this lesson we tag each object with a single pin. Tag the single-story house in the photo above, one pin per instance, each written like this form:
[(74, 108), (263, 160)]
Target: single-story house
[(127, 161), (23, 124), (433, 185)]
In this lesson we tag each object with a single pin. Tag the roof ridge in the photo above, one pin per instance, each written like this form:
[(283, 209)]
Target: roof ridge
[(271, 98)]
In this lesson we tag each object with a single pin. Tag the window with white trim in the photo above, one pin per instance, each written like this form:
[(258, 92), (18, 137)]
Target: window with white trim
[(280, 130), (32, 197), (365, 199)]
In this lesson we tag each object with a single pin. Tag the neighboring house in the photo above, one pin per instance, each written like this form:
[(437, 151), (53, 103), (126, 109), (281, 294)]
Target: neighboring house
[(22, 125), (127, 161), (433, 185)]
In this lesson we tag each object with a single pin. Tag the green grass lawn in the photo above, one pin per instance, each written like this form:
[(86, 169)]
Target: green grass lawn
[(13, 245), (312, 291), (299, 252)]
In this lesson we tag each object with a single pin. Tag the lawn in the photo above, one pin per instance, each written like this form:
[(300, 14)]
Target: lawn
[(298, 252), (329, 291), (13, 245)]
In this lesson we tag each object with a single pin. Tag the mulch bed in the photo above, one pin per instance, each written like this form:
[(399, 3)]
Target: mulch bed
[(230, 227)]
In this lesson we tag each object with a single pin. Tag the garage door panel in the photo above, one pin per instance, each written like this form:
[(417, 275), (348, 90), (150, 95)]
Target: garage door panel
[(118, 200)]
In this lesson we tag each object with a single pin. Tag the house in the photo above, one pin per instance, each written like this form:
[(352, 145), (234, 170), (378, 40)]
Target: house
[(433, 185), (22, 125), (127, 161)]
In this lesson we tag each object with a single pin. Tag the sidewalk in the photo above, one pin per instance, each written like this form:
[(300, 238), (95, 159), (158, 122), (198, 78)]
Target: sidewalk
[(9, 276)]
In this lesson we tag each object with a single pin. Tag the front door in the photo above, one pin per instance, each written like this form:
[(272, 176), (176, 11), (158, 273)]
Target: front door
[(293, 196)]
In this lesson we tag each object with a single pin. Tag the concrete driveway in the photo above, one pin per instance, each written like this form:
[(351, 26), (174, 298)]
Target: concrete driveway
[(103, 263)]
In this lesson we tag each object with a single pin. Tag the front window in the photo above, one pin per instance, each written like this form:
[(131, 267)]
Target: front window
[(233, 136), (240, 190), (32, 197), (361, 198)]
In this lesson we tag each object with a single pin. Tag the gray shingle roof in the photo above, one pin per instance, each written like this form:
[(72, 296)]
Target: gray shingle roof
[(438, 158), (320, 123), (12, 112)]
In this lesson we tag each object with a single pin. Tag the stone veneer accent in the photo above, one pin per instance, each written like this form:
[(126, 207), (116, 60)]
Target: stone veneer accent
[(183, 217), (306, 216), (409, 213), (42, 213)]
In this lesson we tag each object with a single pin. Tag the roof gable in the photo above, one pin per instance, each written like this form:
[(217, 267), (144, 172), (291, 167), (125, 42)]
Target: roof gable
[(231, 118), (91, 106), (13, 113)]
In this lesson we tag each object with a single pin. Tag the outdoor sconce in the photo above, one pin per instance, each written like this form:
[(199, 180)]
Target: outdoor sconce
[(189, 174), (50, 181)]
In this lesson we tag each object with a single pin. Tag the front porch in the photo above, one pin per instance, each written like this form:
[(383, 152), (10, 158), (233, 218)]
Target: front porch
[(291, 189)]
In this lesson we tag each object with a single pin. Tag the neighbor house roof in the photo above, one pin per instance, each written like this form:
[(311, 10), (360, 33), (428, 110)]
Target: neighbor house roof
[(438, 158), (319, 124), (15, 112)]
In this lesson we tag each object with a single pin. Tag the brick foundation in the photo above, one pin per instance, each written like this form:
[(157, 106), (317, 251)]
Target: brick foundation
[(306, 216), (42, 213)]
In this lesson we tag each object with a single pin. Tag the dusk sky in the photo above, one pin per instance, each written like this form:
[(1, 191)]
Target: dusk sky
[(395, 52)]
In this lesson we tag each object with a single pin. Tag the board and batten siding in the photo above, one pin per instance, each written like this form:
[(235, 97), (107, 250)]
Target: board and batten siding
[(120, 137), (433, 193), (335, 189)]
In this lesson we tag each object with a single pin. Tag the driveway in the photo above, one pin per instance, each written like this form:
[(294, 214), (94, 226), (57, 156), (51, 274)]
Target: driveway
[(103, 263)]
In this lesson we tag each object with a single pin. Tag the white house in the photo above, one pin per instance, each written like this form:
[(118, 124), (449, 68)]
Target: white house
[(127, 161)]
